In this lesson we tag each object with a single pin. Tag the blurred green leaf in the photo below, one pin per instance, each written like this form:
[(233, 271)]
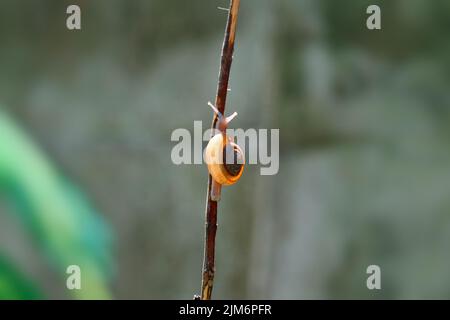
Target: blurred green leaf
[(14, 285), (60, 219)]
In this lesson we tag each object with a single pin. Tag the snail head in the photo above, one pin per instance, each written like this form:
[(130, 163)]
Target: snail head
[(223, 121)]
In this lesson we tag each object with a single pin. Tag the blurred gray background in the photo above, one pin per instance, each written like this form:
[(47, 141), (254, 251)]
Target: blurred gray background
[(364, 141)]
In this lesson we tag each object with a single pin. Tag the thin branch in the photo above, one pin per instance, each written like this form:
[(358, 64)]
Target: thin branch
[(221, 97)]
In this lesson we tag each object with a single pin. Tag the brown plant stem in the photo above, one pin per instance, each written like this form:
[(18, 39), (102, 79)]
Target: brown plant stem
[(221, 97)]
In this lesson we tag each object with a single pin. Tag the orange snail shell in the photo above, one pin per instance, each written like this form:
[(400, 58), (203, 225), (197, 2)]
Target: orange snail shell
[(214, 157)]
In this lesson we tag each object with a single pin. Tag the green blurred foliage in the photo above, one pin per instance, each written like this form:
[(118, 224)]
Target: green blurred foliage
[(15, 286), (61, 222)]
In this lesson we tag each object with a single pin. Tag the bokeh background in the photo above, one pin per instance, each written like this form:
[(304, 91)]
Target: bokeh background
[(85, 170)]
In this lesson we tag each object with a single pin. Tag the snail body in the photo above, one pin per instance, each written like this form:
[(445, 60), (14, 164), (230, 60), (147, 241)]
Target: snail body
[(224, 158)]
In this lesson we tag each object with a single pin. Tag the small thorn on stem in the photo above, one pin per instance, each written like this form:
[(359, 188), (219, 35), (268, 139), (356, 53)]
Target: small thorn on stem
[(223, 9)]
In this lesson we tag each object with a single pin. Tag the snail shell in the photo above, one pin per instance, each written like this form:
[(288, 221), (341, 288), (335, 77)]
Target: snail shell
[(224, 172)]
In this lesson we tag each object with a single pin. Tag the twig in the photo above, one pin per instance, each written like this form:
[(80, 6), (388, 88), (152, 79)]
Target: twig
[(221, 97)]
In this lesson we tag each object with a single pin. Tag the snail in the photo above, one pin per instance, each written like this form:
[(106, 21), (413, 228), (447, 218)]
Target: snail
[(224, 158)]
